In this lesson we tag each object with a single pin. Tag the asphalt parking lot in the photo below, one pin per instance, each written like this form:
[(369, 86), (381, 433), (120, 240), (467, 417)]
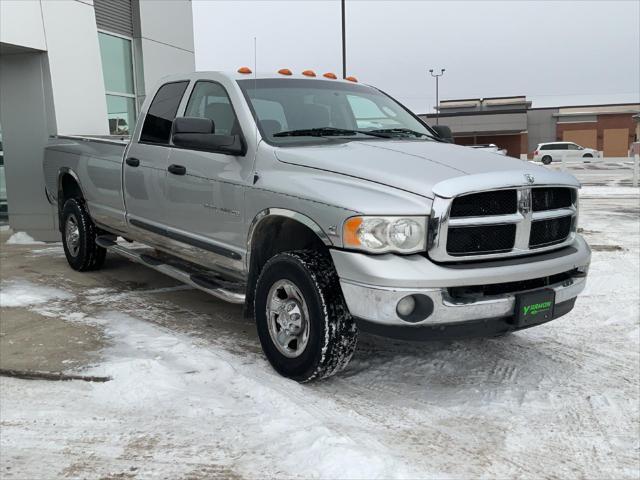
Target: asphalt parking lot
[(189, 394)]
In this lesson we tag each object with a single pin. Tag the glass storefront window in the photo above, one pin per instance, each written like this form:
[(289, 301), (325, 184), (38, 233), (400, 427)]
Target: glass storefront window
[(117, 68), (117, 63), (122, 114)]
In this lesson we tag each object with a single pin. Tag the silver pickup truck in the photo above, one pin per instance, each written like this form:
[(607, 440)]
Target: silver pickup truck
[(324, 206)]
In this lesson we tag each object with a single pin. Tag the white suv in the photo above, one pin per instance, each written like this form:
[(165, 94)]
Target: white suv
[(554, 151)]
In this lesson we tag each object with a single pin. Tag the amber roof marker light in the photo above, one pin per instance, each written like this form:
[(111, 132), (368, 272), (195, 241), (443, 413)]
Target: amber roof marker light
[(309, 73), (284, 71), (244, 70), (330, 75), (352, 79)]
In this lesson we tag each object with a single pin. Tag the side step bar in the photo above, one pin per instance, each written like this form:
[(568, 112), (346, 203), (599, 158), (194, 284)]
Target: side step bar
[(196, 280)]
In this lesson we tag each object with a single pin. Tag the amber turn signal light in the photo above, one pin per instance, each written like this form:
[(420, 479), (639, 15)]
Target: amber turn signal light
[(350, 231)]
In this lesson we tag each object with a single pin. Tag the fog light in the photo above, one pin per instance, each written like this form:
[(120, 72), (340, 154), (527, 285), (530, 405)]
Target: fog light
[(406, 306), (414, 308)]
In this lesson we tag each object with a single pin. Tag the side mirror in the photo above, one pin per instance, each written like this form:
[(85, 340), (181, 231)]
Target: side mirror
[(198, 134), (443, 132)]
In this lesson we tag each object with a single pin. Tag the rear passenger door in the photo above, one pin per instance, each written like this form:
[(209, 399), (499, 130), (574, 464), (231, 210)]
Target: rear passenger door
[(559, 150), (145, 167), (205, 200)]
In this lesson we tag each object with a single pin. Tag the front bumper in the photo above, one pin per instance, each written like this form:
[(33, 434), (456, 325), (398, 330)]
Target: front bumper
[(373, 285)]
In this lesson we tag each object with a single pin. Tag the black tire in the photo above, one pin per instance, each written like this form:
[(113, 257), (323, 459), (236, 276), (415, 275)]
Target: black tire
[(82, 254), (546, 159), (332, 334)]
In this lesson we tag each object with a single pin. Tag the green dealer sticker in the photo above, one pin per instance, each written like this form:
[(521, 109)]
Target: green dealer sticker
[(535, 307)]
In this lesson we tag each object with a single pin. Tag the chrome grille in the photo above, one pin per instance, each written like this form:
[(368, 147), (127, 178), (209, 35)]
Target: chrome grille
[(502, 223)]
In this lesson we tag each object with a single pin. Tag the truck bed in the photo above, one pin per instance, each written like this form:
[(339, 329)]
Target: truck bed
[(96, 163)]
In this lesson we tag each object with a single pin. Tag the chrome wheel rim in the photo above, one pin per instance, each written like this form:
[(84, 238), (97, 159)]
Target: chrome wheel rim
[(288, 318), (72, 235)]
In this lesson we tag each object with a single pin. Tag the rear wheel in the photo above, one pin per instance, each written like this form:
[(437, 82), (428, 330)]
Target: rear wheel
[(79, 237), (303, 323), (546, 159)]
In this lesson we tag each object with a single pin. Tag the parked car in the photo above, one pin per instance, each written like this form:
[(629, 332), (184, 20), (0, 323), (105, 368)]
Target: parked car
[(490, 147), (555, 151), (274, 192)]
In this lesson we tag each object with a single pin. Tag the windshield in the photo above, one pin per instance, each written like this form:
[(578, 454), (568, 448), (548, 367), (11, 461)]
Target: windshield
[(310, 111)]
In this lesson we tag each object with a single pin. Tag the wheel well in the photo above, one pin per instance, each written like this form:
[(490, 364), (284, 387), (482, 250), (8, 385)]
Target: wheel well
[(68, 188), (275, 235)]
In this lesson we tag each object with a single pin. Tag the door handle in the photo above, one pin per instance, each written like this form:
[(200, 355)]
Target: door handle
[(133, 162), (177, 169)]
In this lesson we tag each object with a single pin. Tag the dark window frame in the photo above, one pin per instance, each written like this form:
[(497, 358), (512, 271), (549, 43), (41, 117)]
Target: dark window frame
[(146, 114)]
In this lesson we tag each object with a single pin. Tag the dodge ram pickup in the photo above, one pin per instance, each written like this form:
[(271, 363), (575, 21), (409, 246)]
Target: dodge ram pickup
[(323, 206)]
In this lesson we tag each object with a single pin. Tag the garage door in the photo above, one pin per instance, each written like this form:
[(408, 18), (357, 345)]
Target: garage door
[(584, 138), (616, 142)]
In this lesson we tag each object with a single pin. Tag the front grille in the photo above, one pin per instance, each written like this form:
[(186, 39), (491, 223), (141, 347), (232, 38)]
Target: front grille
[(501, 223), (551, 198), (498, 202), (481, 239), (549, 232)]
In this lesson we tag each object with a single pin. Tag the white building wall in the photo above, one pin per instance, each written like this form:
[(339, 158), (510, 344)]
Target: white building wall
[(76, 68), (21, 24), (166, 35)]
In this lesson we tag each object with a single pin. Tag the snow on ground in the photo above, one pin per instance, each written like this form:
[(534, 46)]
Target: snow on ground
[(189, 400), (22, 238), (23, 294)]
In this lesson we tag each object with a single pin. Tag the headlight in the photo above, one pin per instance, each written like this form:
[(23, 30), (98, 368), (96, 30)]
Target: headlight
[(385, 234)]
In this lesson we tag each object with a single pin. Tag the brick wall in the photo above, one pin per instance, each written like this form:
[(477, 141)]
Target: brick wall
[(604, 122)]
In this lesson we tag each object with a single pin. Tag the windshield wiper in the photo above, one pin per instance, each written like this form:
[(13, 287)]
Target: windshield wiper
[(327, 132), (404, 132)]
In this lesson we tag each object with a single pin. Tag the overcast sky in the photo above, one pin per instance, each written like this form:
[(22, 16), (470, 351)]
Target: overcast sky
[(555, 53)]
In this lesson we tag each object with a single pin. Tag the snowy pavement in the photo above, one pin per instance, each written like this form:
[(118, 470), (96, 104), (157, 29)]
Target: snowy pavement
[(191, 395)]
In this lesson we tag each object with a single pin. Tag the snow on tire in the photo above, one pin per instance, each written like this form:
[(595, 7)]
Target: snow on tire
[(79, 237), (304, 325)]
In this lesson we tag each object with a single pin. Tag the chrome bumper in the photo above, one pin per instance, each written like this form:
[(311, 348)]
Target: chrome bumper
[(377, 303)]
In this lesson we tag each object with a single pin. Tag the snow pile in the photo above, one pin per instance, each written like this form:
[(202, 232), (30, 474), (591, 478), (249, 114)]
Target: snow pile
[(22, 238), (21, 293)]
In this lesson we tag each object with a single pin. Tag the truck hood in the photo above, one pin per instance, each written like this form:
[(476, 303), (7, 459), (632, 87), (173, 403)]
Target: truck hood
[(414, 166)]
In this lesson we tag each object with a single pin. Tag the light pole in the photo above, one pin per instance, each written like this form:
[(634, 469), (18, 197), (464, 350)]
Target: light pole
[(344, 41), (437, 77)]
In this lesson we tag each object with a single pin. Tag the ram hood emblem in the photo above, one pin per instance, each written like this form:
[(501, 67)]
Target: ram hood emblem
[(529, 178)]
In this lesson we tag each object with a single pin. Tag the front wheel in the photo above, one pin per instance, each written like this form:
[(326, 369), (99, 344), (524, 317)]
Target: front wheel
[(305, 328)]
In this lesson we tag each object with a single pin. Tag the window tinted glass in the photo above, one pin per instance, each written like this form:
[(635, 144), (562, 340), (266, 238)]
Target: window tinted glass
[(163, 109), (560, 146), (573, 146), (210, 100)]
